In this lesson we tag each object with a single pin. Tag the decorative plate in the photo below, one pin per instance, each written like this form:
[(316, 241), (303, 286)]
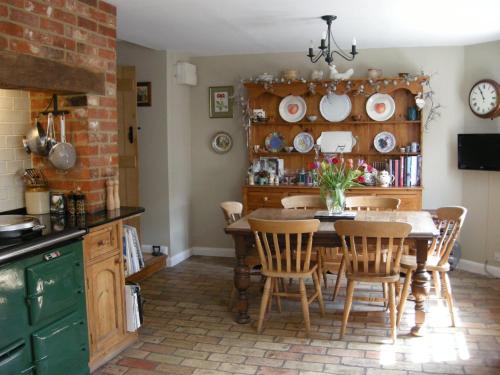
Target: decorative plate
[(303, 142), (335, 108), (222, 142), (274, 142), (384, 142), (292, 108), (380, 107)]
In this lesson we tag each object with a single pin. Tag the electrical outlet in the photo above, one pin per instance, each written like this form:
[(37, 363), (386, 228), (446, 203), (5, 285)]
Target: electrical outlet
[(497, 257)]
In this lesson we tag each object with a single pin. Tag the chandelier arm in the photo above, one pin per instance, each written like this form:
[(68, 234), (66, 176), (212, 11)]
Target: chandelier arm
[(347, 57)]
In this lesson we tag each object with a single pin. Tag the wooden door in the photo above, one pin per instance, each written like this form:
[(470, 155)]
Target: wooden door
[(127, 139), (106, 310)]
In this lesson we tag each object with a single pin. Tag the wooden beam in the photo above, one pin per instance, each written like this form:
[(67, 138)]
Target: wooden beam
[(18, 71)]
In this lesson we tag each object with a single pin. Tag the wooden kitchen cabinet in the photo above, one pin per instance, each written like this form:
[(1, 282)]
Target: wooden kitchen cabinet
[(105, 286)]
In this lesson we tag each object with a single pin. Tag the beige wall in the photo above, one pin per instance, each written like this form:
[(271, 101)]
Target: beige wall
[(220, 177), (481, 190), (14, 124), (164, 148), (179, 155), (150, 66)]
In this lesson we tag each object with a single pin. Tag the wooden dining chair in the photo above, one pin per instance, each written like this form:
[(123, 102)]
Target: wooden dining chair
[(363, 243), (277, 241), (449, 223), (333, 261), (233, 212), (303, 202)]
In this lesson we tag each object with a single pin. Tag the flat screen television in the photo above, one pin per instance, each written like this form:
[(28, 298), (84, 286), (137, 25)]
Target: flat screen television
[(479, 152)]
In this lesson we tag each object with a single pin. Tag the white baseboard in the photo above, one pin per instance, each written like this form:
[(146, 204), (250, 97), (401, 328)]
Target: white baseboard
[(173, 260), (226, 252), (476, 267)]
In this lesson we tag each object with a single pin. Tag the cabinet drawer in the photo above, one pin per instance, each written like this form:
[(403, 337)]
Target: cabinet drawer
[(264, 199), (101, 241)]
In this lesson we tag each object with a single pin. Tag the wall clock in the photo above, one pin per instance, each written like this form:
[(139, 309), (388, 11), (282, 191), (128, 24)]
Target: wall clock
[(484, 99)]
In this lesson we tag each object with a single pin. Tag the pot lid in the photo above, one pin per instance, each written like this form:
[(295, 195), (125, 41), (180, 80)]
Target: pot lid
[(17, 222)]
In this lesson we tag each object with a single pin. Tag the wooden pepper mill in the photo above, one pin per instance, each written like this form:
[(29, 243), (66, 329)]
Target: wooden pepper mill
[(116, 194), (110, 199)]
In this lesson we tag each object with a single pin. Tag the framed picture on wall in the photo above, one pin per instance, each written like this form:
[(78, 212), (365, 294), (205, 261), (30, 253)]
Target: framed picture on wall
[(221, 101), (144, 94)]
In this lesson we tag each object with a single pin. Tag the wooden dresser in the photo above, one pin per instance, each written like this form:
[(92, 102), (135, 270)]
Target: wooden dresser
[(105, 292), (268, 97), (270, 196)]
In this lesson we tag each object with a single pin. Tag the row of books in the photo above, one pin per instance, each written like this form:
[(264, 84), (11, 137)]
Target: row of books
[(132, 253), (133, 307), (407, 170)]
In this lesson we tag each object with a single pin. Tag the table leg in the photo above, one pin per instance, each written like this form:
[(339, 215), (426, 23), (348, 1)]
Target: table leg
[(420, 288), (241, 279)]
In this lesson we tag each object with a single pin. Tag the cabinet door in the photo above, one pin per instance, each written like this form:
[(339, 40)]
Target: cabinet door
[(106, 309)]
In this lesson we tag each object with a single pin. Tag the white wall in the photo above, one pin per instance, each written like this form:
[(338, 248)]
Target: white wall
[(14, 124), (151, 66), (481, 190), (220, 177)]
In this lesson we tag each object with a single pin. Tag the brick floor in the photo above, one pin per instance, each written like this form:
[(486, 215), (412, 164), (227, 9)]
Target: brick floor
[(189, 330)]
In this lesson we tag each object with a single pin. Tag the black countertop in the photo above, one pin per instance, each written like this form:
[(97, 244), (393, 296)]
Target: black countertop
[(59, 229)]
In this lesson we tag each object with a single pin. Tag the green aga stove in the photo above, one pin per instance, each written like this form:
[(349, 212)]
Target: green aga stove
[(43, 326)]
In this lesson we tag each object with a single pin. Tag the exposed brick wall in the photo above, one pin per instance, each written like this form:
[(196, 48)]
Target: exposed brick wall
[(78, 33)]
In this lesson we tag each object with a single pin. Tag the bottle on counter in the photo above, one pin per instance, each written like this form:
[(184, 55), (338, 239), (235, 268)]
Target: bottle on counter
[(116, 194), (70, 204), (110, 195)]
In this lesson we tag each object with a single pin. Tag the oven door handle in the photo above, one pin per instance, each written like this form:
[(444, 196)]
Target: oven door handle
[(10, 351)]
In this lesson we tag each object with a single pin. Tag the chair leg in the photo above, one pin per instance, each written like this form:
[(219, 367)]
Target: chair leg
[(449, 296), (347, 306), (404, 295), (317, 285), (232, 298), (276, 290), (264, 303), (339, 277), (392, 310), (437, 283), (305, 305)]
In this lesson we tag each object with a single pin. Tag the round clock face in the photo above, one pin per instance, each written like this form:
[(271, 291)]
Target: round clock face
[(483, 98)]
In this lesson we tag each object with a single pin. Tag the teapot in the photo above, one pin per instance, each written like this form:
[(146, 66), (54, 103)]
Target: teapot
[(384, 179)]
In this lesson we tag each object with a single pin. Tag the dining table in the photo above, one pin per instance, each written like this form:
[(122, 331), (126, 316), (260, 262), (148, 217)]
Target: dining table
[(423, 231)]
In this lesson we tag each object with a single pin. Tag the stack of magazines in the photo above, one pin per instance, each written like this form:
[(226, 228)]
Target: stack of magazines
[(133, 307), (132, 253)]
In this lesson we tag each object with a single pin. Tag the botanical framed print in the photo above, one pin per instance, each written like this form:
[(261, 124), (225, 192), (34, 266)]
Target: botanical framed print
[(222, 142), (221, 101), (144, 94)]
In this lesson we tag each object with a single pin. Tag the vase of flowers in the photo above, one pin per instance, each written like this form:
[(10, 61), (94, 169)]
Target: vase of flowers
[(335, 177)]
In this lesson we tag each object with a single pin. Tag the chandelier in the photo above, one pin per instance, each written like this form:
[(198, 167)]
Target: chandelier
[(325, 46)]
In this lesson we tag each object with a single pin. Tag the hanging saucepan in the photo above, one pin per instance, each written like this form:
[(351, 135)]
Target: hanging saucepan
[(36, 140), (63, 155)]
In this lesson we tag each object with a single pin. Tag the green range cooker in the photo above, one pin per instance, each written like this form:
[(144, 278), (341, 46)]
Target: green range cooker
[(43, 324)]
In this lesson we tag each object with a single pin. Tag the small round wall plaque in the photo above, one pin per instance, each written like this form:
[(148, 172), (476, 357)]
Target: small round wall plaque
[(222, 142)]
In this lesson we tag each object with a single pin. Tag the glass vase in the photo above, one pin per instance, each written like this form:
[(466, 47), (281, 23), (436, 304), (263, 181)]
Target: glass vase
[(335, 201)]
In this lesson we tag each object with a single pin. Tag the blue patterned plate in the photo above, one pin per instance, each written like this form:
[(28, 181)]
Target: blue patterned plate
[(274, 142)]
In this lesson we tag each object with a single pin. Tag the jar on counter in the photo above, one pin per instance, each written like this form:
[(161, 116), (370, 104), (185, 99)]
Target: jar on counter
[(79, 198), (37, 200), (71, 204), (57, 203)]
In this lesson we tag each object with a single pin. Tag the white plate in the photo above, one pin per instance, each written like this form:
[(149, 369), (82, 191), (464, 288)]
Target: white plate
[(335, 108), (384, 142), (380, 107), (336, 142), (303, 142), (292, 108)]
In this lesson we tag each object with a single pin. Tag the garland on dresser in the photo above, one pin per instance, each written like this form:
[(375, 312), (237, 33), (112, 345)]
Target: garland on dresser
[(244, 111)]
